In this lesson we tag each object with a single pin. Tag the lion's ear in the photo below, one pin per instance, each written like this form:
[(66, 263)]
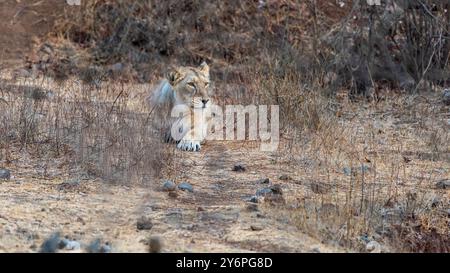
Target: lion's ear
[(173, 76), (204, 68)]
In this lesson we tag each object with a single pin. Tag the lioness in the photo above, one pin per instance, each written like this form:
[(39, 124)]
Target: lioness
[(185, 91)]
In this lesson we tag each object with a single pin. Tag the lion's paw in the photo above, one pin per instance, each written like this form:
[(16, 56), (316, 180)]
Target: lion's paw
[(189, 145)]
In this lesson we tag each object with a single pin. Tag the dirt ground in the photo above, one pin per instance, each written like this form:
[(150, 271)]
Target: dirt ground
[(214, 218), (41, 198)]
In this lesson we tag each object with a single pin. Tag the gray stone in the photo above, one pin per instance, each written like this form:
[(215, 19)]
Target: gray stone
[(97, 246), (373, 247), (263, 181), (256, 227), (264, 191), (50, 245), (347, 171), (63, 243), (239, 168), (443, 184), (72, 245), (184, 186), (284, 177), (364, 169), (105, 248), (252, 207), (252, 199), (169, 186), (155, 244), (446, 97), (5, 174), (144, 223), (69, 185), (274, 189), (117, 67)]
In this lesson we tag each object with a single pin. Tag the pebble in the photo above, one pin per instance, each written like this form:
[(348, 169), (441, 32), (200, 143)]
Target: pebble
[(155, 244), (252, 207), (373, 247), (263, 181), (264, 191), (169, 186), (96, 246), (50, 245), (239, 168), (5, 174), (446, 97), (443, 184), (284, 177), (184, 186), (72, 245), (144, 223), (256, 227)]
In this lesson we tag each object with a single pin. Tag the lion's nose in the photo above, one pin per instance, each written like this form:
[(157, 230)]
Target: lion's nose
[(204, 101)]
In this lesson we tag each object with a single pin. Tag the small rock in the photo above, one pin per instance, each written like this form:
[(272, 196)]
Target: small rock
[(365, 238), (443, 184), (105, 248), (373, 247), (264, 191), (117, 67), (364, 169), (315, 250), (144, 223), (173, 194), (50, 245), (5, 174), (260, 215), (256, 228), (284, 177), (69, 185), (347, 171), (435, 201), (96, 246), (72, 245), (252, 207), (155, 244), (276, 189), (263, 181), (239, 168), (200, 209), (184, 186), (446, 97), (63, 243), (253, 199), (169, 186)]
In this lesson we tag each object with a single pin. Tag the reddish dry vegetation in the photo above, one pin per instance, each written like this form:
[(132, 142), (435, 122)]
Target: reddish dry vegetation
[(350, 174)]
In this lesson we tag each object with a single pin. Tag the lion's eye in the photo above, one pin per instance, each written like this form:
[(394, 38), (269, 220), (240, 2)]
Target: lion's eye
[(207, 84), (191, 84)]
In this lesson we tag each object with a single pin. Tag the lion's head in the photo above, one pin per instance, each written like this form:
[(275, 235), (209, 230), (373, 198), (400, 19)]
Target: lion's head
[(191, 85)]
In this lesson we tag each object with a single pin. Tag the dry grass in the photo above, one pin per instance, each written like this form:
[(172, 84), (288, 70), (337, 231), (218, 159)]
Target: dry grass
[(106, 132)]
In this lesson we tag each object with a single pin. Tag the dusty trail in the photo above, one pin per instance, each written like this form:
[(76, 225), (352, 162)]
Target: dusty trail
[(212, 218)]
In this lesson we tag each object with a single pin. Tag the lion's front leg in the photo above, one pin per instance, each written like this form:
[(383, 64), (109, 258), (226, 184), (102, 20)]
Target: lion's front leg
[(188, 137), (192, 136), (187, 143)]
